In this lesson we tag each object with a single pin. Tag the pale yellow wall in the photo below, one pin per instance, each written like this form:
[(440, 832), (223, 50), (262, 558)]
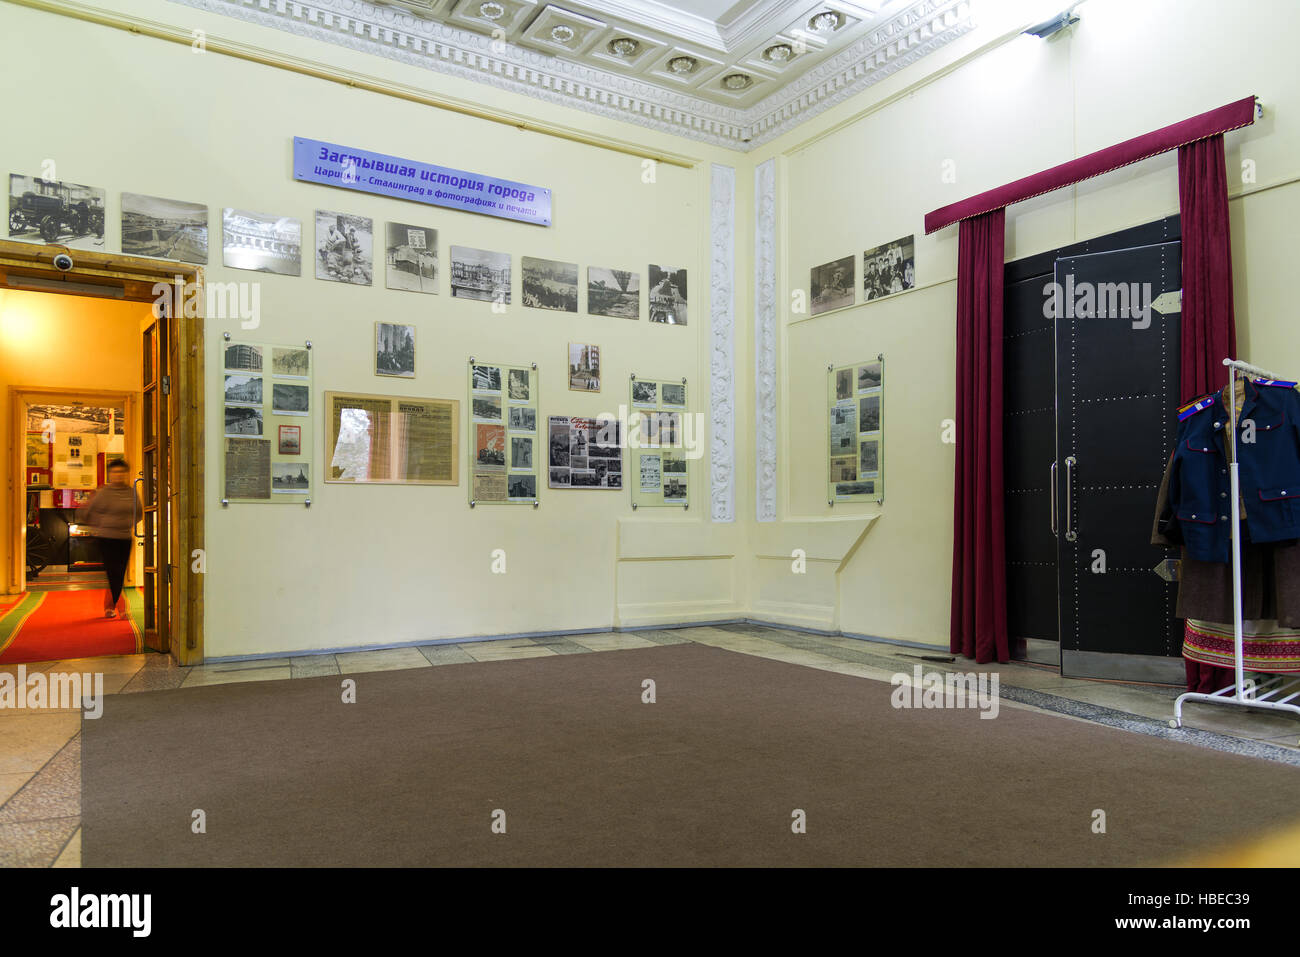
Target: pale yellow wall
[(382, 564), (865, 173), (52, 341)]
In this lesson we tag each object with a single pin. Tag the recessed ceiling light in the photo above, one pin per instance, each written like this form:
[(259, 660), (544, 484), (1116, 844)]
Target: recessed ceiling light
[(827, 21), (778, 52), (681, 65), (737, 81), (623, 46), (562, 34), (491, 11)]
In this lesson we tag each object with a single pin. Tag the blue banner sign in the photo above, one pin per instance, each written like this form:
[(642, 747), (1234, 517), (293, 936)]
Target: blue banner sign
[(315, 161)]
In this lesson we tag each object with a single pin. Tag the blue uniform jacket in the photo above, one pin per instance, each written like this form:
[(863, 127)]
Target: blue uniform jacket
[(1268, 449)]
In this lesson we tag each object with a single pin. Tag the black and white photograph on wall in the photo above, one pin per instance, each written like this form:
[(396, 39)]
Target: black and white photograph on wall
[(243, 420), (674, 488), (411, 255), (76, 418), (521, 453), (49, 211), (487, 408), (673, 394), (645, 393), (868, 377), (889, 269), (844, 468), (613, 292), (394, 350), (559, 443), (261, 242), (289, 399), (164, 228), (242, 357), (480, 274), (521, 487), (290, 476), (869, 453), (830, 286), (843, 383), (674, 463), (243, 390), (345, 248), (850, 489), (519, 389), (288, 363), (559, 478), (522, 419), (548, 284), (869, 416), (486, 378), (584, 367), (668, 295), (585, 452)]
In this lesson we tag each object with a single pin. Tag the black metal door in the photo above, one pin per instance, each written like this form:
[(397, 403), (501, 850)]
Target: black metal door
[(1117, 361)]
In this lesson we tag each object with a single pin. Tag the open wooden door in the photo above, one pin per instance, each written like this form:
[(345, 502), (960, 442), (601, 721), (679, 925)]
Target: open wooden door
[(154, 483)]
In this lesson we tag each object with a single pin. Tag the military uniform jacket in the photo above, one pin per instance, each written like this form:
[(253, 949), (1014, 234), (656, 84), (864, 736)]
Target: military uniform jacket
[(1197, 513)]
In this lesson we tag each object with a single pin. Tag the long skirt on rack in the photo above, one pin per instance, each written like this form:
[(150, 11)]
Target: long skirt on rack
[(1208, 650)]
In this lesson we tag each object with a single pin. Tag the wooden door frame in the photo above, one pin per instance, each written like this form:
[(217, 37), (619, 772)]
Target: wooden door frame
[(20, 396), (31, 267)]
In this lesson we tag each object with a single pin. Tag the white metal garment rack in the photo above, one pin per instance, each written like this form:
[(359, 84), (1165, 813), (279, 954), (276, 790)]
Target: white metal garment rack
[(1274, 692)]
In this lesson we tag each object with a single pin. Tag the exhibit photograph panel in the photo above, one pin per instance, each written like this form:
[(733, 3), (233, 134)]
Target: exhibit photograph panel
[(855, 463), (658, 452), (391, 440), (268, 417), (505, 454)]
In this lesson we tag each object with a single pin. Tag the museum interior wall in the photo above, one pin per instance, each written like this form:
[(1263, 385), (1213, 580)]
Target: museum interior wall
[(389, 564), (862, 175), (74, 343)]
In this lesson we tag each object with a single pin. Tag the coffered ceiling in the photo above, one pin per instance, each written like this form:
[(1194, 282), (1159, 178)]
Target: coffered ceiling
[(730, 73)]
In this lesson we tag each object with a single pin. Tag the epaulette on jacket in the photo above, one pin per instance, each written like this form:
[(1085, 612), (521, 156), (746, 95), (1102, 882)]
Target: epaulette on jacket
[(1196, 405)]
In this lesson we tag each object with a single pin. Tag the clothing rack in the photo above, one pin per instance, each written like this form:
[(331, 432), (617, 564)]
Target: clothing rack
[(1276, 692)]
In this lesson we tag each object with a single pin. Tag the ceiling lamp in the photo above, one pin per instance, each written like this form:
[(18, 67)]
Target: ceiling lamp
[(683, 65), (737, 81), (778, 52), (491, 11), (828, 21), (624, 47)]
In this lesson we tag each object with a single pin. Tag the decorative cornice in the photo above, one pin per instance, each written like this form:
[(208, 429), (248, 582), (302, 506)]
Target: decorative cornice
[(722, 363), (765, 340), (920, 28)]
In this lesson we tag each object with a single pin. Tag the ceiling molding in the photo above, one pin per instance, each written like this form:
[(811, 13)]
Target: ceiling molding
[(916, 29)]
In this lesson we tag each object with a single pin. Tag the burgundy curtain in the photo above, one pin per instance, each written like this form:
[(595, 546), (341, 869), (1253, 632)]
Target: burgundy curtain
[(1209, 328), (979, 581)]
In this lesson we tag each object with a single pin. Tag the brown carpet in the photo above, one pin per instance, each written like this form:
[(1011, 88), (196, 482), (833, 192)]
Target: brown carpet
[(588, 775)]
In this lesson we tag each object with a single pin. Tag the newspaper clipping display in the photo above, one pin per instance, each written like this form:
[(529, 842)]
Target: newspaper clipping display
[(584, 453), (268, 423), (506, 450), (657, 446), (392, 440), (856, 464)]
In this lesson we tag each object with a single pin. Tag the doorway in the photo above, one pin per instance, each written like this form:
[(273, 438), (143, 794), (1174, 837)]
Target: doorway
[(163, 416), (1091, 362)]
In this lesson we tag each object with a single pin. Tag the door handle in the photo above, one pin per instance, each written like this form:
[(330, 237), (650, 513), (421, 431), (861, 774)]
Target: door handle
[(1052, 485), (139, 481), (1070, 533)]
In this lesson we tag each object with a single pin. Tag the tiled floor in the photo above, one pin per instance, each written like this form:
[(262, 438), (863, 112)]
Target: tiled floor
[(40, 752)]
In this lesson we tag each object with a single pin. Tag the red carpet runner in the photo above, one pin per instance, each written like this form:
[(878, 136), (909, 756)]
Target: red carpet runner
[(47, 626)]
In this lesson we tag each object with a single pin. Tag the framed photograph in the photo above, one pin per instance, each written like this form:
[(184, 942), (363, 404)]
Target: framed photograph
[(243, 389), (290, 440), (243, 420), (294, 477), (585, 452), (548, 284), (287, 363), (242, 357), (486, 378), (613, 292), (345, 248), (668, 295), (394, 350), (49, 211), (261, 242), (673, 394), (520, 389), (480, 274), (584, 367), (645, 393), (523, 418), (411, 253), (164, 228), (830, 286), (486, 408), (889, 269), (393, 440)]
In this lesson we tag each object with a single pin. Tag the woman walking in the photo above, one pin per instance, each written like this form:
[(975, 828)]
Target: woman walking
[(111, 515)]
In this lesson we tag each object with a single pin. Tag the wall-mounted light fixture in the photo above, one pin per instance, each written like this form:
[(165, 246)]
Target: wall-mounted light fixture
[(1055, 25)]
